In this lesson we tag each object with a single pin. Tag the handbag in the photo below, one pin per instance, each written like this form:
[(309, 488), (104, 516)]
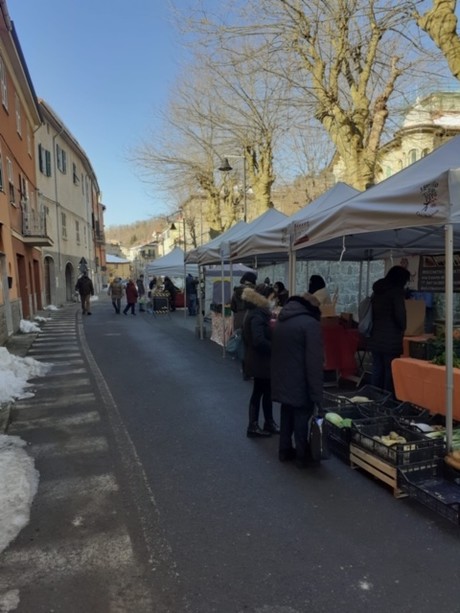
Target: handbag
[(317, 437), (235, 344), (365, 317)]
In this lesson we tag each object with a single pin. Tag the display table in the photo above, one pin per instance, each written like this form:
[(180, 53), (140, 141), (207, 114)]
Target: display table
[(340, 347), (220, 324), (424, 384)]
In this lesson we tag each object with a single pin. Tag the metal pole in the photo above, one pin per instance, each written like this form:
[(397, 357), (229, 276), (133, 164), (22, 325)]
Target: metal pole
[(449, 326), (245, 201)]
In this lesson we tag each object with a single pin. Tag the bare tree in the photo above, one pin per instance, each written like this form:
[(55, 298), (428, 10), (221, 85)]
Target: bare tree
[(440, 23)]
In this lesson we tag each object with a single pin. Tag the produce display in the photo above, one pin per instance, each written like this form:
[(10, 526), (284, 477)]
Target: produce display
[(392, 438), (453, 459), (338, 420)]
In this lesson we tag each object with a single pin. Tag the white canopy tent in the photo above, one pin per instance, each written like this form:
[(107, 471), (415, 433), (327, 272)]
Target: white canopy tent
[(171, 265), (414, 211), (273, 243), (209, 253)]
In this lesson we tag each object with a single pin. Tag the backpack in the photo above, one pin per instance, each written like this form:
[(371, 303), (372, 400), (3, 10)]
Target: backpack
[(365, 317)]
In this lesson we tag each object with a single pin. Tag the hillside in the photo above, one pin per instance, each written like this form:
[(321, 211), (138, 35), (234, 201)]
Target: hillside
[(136, 233)]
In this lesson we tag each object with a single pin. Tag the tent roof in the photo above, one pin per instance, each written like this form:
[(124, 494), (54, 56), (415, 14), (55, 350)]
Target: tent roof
[(214, 245), (406, 213), (214, 251), (275, 240), (171, 264)]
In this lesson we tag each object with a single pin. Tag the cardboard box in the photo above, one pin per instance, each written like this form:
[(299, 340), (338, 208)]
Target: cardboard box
[(415, 317)]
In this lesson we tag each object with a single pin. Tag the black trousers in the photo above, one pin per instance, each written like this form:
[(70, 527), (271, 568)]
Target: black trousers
[(261, 391), (294, 421)]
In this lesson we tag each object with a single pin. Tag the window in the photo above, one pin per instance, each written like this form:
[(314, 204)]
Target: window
[(44, 161), (47, 163), (29, 141), (17, 106), (61, 158), (64, 225), (76, 179), (9, 172), (412, 156), (77, 231), (3, 85)]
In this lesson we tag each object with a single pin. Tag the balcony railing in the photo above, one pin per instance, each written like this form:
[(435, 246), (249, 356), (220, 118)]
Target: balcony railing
[(34, 228)]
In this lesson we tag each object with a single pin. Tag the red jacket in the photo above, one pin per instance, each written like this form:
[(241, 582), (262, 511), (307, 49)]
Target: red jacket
[(131, 293)]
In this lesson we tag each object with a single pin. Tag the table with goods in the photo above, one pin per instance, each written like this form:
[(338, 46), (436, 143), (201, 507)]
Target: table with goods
[(399, 443)]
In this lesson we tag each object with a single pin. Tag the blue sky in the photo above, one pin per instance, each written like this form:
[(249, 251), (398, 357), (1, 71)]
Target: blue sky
[(106, 69)]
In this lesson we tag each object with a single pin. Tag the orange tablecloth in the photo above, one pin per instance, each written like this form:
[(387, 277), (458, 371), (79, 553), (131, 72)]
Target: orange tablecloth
[(424, 384), (340, 346)]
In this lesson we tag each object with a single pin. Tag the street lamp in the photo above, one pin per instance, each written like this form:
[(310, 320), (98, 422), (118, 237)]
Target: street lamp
[(225, 167)]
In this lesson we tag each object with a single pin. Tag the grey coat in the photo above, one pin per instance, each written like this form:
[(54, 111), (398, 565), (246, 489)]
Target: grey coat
[(256, 335), (297, 355), (388, 318)]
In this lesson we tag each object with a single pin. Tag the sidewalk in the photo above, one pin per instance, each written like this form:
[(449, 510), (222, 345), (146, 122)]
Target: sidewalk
[(76, 553)]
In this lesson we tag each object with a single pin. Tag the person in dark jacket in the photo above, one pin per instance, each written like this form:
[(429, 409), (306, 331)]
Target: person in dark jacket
[(172, 291), (297, 373), (388, 324), (131, 298), (85, 288), (237, 303), (257, 344), (281, 293)]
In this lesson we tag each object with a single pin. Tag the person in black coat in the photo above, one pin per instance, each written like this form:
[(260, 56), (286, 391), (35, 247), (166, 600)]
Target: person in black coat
[(388, 324), (172, 290), (237, 303), (257, 344), (297, 373), (281, 293)]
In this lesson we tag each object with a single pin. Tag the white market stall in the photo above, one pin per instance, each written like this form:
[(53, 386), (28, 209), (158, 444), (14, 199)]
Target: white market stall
[(414, 211)]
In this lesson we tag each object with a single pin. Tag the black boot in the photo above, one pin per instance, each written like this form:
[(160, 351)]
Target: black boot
[(271, 426), (253, 430)]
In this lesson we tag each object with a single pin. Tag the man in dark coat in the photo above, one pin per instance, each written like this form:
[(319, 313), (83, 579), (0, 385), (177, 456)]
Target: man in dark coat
[(84, 287), (141, 293), (297, 373), (388, 324), (257, 344)]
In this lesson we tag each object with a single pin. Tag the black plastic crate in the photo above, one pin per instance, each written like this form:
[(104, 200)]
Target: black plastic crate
[(434, 486), (374, 394), (422, 350), (417, 448), (343, 434), (339, 448), (407, 410)]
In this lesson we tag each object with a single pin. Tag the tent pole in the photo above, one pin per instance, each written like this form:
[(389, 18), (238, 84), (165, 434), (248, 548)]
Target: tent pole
[(185, 289), (224, 340), (200, 300), (449, 326)]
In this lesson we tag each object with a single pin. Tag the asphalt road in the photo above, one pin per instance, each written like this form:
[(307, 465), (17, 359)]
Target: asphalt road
[(233, 529), (152, 499)]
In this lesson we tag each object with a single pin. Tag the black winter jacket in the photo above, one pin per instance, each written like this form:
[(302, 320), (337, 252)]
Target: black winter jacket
[(238, 305), (297, 355), (84, 286), (388, 318), (256, 334)]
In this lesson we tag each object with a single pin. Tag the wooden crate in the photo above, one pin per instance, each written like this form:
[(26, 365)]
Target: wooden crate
[(377, 467)]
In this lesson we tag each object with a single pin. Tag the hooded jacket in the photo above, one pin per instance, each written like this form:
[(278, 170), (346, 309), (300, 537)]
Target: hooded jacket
[(256, 334), (297, 355), (238, 305), (388, 318)]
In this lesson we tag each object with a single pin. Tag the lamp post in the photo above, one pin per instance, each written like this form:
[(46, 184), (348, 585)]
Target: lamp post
[(225, 167)]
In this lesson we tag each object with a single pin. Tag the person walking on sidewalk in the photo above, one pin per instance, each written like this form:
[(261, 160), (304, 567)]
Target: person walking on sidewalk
[(85, 288), (116, 292), (131, 298), (257, 344)]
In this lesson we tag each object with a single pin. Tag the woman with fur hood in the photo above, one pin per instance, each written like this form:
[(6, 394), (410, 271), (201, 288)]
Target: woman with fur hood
[(257, 344), (237, 304)]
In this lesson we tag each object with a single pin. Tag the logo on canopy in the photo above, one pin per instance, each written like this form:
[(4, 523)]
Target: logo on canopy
[(429, 192)]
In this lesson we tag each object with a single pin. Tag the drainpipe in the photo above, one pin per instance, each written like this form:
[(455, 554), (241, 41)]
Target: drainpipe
[(56, 199)]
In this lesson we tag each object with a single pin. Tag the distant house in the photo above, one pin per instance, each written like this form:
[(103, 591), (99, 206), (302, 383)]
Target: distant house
[(118, 267)]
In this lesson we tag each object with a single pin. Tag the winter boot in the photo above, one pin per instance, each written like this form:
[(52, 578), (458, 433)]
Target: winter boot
[(271, 426), (253, 430)]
